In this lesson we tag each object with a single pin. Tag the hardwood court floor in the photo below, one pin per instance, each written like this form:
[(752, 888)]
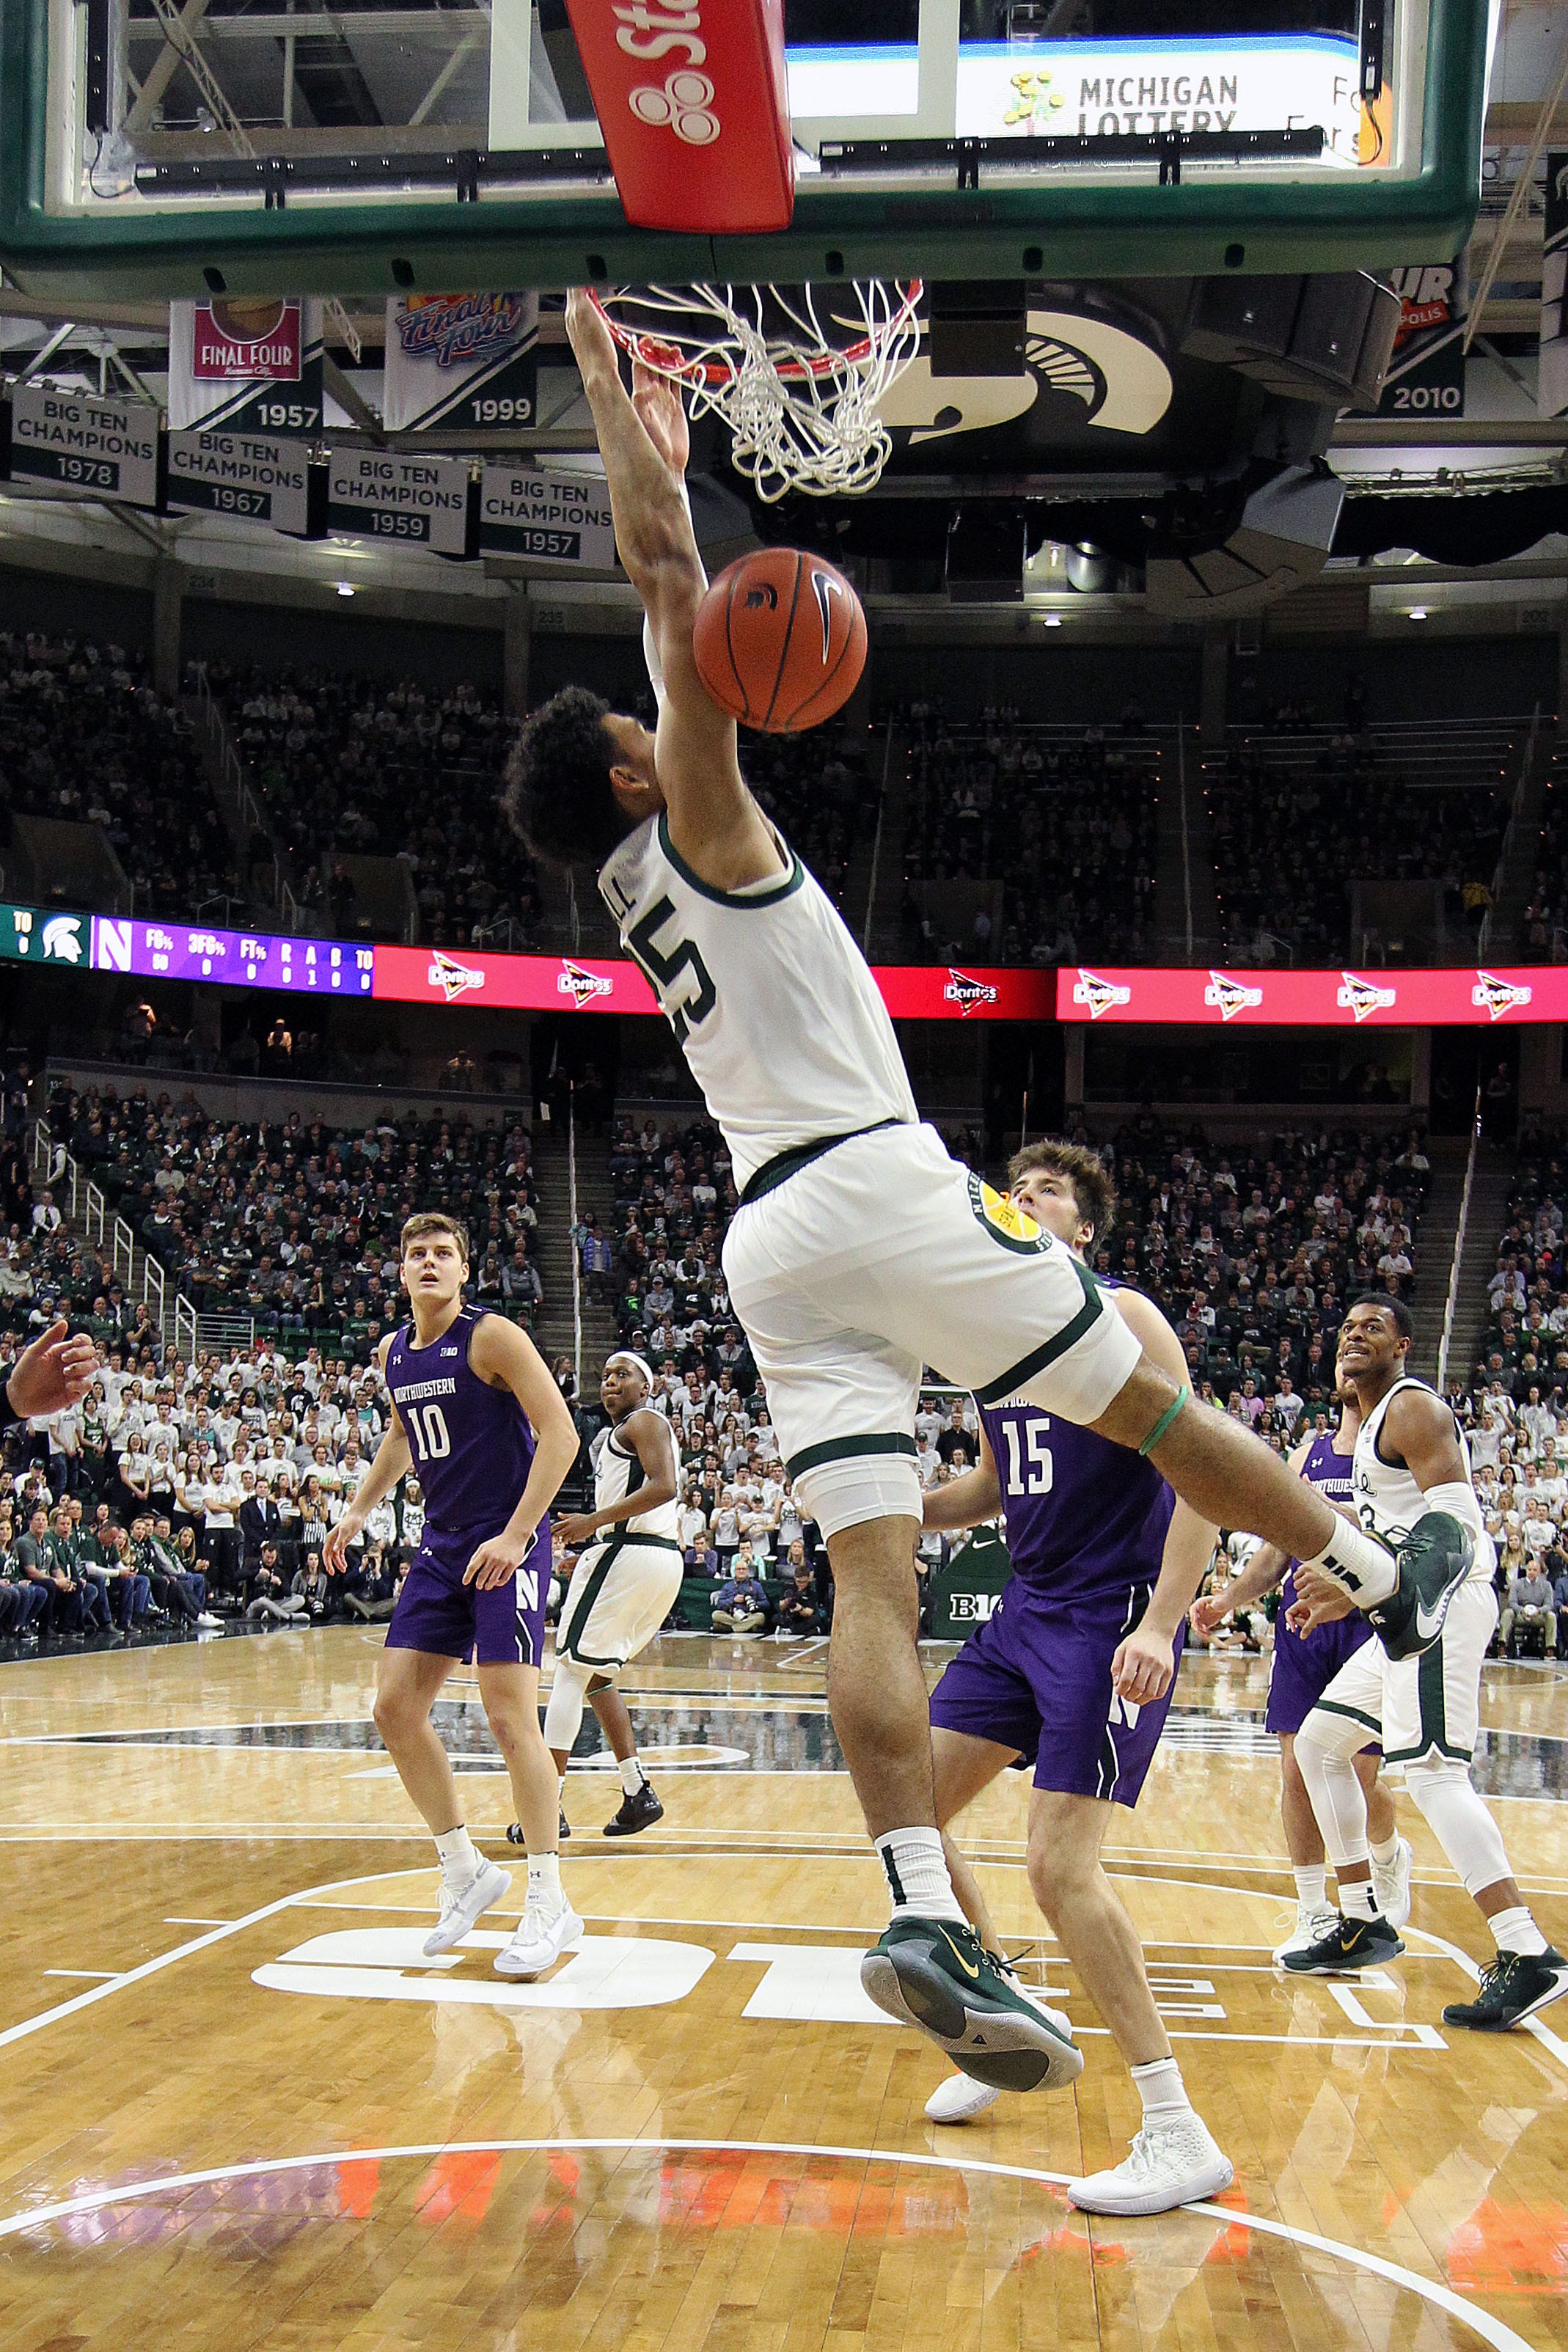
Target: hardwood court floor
[(240, 2111)]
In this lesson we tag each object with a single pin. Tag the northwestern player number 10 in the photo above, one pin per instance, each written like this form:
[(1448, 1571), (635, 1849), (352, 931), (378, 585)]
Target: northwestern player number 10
[(426, 1426)]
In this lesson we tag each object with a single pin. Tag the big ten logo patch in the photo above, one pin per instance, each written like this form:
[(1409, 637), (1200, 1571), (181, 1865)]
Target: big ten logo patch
[(973, 1608)]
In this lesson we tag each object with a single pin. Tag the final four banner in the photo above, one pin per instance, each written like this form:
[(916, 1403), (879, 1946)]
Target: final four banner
[(246, 365), (468, 363)]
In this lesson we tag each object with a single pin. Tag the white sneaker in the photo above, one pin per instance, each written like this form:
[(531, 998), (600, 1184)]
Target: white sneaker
[(540, 1942), (1311, 1926), (959, 2098), (463, 1907), (209, 1623), (1176, 2164), (1392, 1887)]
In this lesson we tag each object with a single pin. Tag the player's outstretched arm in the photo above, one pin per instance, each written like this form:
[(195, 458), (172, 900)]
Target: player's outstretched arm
[(507, 1357), (964, 1502), (1144, 1665), (649, 1434), (714, 823), (391, 1463)]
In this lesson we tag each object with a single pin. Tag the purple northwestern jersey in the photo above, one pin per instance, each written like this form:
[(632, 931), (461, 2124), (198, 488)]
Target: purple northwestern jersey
[(1086, 1532), (1306, 1664), (1086, 1520), (471, 1444)]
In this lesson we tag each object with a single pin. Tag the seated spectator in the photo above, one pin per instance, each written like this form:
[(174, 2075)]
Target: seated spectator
[(271, 1594), (741, 1605), (1531, 1607), (798, 1610), (379, 1586)]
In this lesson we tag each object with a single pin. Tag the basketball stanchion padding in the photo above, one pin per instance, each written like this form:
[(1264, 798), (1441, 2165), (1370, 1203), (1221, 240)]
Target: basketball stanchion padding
[(780, 640), (694, 108)]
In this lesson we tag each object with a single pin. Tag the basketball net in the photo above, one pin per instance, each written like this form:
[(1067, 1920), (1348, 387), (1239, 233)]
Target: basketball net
[(797, 384)]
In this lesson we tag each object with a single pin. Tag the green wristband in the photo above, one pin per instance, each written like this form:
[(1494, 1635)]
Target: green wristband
[(1163, 1423)]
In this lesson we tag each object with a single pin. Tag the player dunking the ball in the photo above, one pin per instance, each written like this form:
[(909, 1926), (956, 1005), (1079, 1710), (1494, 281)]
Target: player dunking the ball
[(860, 1250), (475, 1406)]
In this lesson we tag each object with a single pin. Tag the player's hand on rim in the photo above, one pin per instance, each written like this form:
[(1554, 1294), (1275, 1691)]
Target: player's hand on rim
[(659, 404), (1144, 1666), (497, 1560)]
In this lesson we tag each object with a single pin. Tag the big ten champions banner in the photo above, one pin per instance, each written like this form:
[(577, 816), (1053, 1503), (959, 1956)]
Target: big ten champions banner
[(1551, 382), (468, 363), (1426, 373), (246, 364)]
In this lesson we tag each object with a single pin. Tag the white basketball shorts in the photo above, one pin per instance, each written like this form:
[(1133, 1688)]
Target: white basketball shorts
[(622, 1590), (883, 1256), (1421, 1706)]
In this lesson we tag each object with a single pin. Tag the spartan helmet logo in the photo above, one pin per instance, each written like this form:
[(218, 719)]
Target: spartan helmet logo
[(764, 592), (1099, 996), (581, 986), (1363, 996), (1498, 996), (1230, 996), (452, 978), (683, 105)]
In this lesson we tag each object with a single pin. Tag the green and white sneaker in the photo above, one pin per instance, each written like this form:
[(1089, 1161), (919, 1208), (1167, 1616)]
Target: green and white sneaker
[(936, 1975), (1435, 1557)]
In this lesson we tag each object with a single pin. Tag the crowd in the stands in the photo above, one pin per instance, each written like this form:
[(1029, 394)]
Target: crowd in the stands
[(1294, 829), (354, 766), (1545, 937), (85, 739), (1062, 820)]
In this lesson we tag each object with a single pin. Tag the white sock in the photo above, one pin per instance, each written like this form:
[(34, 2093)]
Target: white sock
[(1163, 2092), (633, 1777), (917, 1874), (1312, 1888), (1516, 1931), (1357, 1900), (459, 1861), (1386, 1854), (1357, 1563), (544, 1881)]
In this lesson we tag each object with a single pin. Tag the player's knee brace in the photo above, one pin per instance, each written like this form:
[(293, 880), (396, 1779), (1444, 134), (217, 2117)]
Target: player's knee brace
[(1453, 1809), (563, 1709)]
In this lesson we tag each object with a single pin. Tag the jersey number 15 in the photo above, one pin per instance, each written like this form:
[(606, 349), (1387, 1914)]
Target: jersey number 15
[(663, 966), (1038, 1468)]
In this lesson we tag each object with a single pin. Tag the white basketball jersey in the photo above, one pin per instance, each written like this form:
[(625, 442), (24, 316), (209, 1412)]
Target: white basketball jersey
[(617, 1473), (773, 1004), (1387, 1498)]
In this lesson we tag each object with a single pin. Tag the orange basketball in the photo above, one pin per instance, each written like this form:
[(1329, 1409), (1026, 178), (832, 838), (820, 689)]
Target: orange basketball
[(780, 641)]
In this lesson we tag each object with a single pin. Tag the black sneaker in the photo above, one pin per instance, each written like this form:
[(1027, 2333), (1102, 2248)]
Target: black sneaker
[(1435, 1559), (1515, 1986), (936, 1974), (514, 1832), (1350, 1944), (637, 1812)]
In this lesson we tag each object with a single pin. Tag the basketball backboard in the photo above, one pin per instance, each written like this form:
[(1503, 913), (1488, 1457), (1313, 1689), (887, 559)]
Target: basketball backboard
[(183, 146)]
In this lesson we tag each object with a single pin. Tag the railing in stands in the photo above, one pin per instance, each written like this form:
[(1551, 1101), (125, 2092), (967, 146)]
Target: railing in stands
[(144, 1282), (184, 1328), (577, 1249), (1187, 837), (877, 840), (1451, 1307)]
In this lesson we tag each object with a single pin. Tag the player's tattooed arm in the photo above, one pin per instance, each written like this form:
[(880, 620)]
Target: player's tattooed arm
[(507, 1357), (964, 1502), (649, 1434)]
